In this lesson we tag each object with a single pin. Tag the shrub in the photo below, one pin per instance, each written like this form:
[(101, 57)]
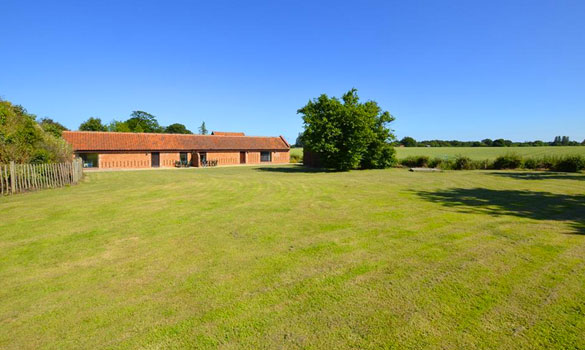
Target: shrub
[(569, 164), (508, 161), (296, 158), (415, 161), (463, 163), (436, 163), (531, 163)]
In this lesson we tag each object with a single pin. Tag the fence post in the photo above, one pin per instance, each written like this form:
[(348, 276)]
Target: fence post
[(12, 179)]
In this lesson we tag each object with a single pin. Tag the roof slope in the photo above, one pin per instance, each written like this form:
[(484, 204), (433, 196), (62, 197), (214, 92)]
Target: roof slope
[(126, 141)]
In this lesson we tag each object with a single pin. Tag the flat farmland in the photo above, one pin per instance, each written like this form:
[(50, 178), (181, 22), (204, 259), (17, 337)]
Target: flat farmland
[(482, 153)]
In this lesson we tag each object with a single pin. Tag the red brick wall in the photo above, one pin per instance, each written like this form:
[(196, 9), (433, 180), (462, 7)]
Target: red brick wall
[(224, 158), (281, 157), (137, 160), (167, 160), (253, 158), (142, 159), (124, 160)]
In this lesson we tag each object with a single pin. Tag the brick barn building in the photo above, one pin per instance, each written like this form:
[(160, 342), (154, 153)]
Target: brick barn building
[(115, 150)]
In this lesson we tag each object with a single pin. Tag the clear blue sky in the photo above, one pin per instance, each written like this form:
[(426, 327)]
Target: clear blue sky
[(446, 69)]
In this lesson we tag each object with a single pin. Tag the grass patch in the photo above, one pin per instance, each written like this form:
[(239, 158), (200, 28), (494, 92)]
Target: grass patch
[(491, 153), (283, 257)]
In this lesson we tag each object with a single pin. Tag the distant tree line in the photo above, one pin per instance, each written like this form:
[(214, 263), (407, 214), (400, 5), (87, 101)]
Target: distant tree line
[(139, 121), (558, 141)]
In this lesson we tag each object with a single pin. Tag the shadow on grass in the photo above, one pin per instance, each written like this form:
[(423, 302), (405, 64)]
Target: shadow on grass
[(540, 176), (294, 169), (526, 204)]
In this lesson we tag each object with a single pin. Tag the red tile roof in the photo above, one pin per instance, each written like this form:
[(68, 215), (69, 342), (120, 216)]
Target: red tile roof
[(225, 133), (125, 141)]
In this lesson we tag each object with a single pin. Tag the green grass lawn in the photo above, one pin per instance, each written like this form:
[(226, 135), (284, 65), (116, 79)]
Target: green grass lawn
[(278, 257), (482, 153)]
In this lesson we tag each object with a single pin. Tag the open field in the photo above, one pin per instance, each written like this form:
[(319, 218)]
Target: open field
[(283, 257), (296, 151), (482, 153)]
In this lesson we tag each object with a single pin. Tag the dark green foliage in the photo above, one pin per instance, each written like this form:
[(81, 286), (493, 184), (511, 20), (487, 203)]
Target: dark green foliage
[(440, 163), (23, 140), (141, 121), (93, 124), (177, 129), (569, 164), (463, 163), (299, 141), (347, 134), (417, 162), (559, 141), (408, 142), (502, 143), (52, 127), (530, 163), (203, 129), (296, 158), (508, 161), (118, 126)]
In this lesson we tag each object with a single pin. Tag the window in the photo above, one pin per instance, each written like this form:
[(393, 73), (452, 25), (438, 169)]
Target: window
[(265, 157), (184, 158), (90, 160)]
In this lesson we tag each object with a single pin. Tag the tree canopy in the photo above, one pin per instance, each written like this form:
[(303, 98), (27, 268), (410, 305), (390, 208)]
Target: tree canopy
[(93, 124), (408, 142), (139, 121), (52, 127), (347, 134), (177, 128), (23, 140), (203, 129)]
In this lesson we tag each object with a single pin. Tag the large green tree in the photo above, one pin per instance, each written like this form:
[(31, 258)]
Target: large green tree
[(177, 128), (93, 124), (347, 134), (141, 121), (23, 140), (52, 127), (408, 142)]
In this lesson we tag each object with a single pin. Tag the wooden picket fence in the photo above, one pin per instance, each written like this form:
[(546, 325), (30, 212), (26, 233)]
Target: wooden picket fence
[(18, 178)]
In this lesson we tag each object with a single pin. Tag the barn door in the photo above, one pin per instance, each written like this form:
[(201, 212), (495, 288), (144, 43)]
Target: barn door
[(155, 159)]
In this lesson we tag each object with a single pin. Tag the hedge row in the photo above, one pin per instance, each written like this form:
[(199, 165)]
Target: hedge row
[(508, 161)]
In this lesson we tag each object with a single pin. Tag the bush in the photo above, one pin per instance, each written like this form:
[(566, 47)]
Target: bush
[(532, 163), (415, 162), (296, 158), (463, 163), (508, 161), (436, 163), (569, 164)]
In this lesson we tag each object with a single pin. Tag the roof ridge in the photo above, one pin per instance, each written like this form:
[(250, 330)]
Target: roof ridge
[(157, 133)]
